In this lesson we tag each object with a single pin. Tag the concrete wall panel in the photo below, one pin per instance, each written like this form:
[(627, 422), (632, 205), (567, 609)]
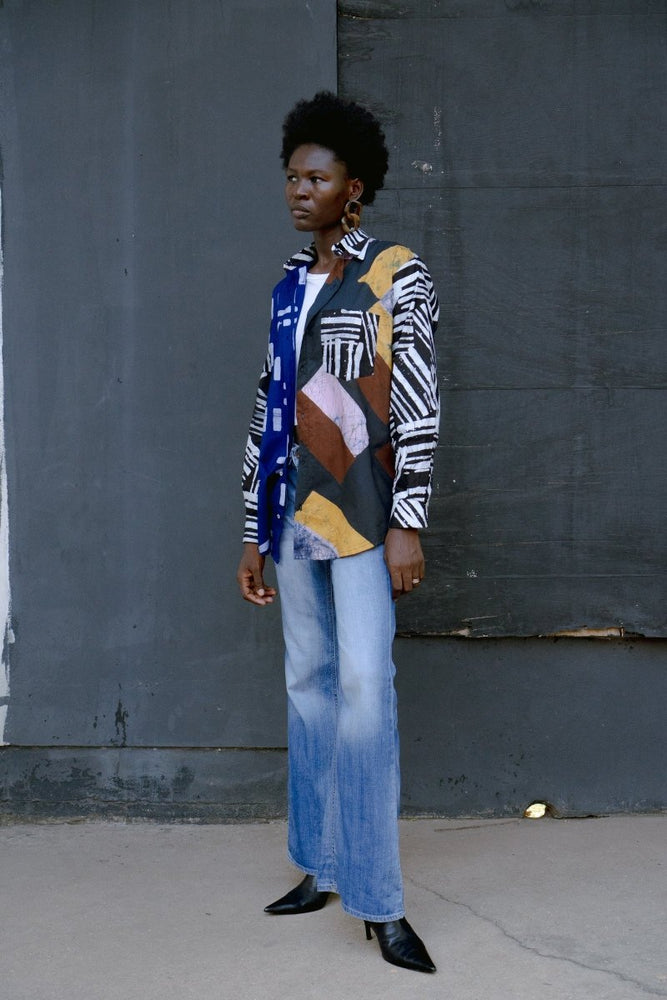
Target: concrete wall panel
[(144, 228)]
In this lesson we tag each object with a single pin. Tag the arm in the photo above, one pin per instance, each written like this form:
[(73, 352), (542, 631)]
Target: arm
[(250, 483), (414, 415), (250, 573)]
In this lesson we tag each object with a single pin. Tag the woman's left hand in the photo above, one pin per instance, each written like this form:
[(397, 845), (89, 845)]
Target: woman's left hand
[(405, 560)]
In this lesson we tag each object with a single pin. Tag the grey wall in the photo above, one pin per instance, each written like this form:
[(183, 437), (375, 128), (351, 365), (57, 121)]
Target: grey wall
[(143, 228)]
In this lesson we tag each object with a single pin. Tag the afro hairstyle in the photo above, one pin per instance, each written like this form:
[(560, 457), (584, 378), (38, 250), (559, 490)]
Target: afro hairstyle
[(349, 130)]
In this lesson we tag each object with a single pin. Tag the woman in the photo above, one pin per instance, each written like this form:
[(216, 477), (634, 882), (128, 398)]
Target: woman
[(337, 478)]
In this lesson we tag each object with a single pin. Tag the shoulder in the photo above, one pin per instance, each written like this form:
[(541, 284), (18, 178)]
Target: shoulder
[(292, 277), (395, 256), (388, 265)]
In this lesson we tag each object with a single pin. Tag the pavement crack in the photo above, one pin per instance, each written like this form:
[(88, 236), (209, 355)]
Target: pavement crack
[(618, 976), (477, 826)]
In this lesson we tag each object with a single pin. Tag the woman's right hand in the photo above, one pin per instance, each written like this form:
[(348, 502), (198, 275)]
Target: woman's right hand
[(250, 577)]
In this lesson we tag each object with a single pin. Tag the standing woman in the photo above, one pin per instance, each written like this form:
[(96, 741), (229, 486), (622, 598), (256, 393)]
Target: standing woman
[(337, 478)]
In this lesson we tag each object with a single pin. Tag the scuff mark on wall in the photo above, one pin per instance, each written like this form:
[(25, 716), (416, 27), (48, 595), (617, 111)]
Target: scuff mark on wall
[(5, 604), (423, 166), (121, 722), (437, 127)]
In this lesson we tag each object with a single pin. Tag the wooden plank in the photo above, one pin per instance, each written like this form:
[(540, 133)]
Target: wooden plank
[(494, 607), (446, 9), (555, 497), (475, 9), (514, 101), (528, 168), (541, 287)]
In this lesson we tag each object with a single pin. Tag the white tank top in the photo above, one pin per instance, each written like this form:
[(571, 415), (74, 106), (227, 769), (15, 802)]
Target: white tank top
[(314, 282)]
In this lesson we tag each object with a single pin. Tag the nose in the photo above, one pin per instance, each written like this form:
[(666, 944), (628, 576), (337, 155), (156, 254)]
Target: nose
[(300, 189)]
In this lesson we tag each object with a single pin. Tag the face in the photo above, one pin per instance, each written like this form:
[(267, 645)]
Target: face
[(317, 188)]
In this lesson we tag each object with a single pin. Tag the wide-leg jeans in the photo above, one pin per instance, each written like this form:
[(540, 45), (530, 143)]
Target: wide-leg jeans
[(343, 758)]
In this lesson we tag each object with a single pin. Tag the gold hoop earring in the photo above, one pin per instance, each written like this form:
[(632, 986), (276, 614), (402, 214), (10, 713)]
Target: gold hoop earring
[(351, 216)]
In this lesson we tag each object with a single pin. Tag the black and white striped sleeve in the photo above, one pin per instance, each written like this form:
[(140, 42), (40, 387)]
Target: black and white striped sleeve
[(414, 411), (250, 483)]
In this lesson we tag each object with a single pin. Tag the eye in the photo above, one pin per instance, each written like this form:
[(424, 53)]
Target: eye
[(290, 178)]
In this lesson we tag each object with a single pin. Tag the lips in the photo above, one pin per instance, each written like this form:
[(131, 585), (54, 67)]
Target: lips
[(300, 213)]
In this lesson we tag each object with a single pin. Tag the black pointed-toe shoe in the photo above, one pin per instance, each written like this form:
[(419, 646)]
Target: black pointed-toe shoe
[(400, 945), (305, 898)]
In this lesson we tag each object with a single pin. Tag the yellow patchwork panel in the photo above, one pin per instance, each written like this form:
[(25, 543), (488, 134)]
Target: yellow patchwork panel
[(381, 272), (321, 516)]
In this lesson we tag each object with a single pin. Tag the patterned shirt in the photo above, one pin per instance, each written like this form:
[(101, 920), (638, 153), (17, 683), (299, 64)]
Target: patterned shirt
[(366, 400)]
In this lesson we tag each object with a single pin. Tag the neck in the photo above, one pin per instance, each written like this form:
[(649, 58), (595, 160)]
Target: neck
[(324, 239)]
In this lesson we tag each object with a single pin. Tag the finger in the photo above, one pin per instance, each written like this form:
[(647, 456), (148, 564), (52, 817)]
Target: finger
[(418, 572), (257, 581), (396, 581), (412, 578), (243, 580), (249, 591), (247, 586), (396, 589), (268, 595), (260, 601)]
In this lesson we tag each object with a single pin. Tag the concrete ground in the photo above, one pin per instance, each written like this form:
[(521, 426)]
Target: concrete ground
[(509, 909)]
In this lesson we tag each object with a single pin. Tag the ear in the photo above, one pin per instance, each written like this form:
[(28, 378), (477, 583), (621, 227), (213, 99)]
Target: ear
[(355, 189)]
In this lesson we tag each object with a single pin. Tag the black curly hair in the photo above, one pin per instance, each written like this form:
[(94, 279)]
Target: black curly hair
[(348, 129)]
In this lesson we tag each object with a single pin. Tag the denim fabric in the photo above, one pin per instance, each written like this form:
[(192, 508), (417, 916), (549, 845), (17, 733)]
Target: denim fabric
[(343, 784)]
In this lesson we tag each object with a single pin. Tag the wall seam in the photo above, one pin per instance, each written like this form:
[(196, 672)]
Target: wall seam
[(5, 601)]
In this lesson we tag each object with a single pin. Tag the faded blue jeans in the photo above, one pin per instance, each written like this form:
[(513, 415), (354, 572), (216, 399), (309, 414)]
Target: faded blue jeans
[(343, 779)]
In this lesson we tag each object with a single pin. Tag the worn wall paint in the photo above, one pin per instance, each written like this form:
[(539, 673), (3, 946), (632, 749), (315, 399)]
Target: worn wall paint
[(487, 727)]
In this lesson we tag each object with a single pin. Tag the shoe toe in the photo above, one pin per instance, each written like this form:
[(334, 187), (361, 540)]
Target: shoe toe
[(305, 898), (401, 946)]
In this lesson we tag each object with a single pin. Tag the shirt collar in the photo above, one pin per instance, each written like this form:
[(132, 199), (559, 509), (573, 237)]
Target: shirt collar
[(353, 245)]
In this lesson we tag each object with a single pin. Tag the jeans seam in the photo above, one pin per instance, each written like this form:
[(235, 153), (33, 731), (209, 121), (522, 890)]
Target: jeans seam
[(331, 850), (373, 917)]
